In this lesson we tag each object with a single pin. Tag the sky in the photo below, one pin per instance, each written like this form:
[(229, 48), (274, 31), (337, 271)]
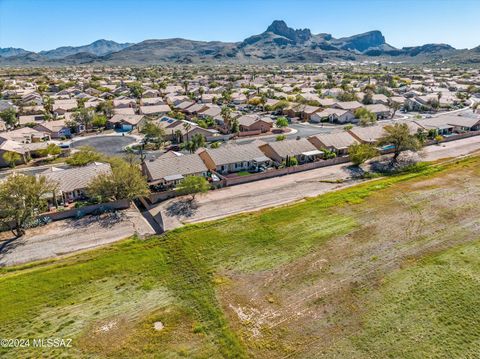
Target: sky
[(46, 24)]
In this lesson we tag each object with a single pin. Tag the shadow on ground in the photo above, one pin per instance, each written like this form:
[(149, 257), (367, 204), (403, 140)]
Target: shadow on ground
[(182, 208)]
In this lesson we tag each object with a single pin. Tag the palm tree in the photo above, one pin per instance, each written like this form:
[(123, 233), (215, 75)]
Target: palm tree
[(226, 114), (439, 96), (187, 126), (178, 136)]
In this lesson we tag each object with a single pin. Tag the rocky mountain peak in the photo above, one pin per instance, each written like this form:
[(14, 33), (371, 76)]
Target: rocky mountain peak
[(279, 27)]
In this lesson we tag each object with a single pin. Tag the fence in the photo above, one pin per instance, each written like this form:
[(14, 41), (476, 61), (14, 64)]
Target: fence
[(231, 181), (161, 196), (82, 211), (460, 136), (249, 133)]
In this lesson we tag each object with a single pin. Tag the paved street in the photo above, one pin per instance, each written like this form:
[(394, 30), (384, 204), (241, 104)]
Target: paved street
[(109, 145)]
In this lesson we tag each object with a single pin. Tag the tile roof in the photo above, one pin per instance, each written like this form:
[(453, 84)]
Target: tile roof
[(338, 140), (75, 178), (233, 153), (169, 165)]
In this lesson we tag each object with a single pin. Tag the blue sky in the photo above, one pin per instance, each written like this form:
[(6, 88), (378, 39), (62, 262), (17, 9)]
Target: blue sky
[(45, 24)]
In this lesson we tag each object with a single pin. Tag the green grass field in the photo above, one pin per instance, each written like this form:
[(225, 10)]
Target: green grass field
[(425, 305)]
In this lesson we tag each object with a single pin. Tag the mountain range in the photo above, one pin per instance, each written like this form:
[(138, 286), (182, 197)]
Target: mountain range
[(278, 44)]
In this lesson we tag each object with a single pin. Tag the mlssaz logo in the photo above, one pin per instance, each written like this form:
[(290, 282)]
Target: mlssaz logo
[(52, 343)]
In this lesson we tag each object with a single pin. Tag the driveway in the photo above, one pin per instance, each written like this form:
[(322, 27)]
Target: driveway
[(71, 235), (281, 190)]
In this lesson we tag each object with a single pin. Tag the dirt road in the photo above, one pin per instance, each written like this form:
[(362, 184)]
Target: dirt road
[(281, 190), (73, 235)]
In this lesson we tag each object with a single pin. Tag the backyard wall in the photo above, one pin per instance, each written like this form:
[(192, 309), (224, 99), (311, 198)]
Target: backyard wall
[(82, 211)]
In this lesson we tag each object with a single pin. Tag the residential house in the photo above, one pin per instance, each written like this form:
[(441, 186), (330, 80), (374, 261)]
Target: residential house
[(333, 115), (380, 110), (169, 169), (380, 98), (126, 123), (25, 135), (71, 183), (56, 129), (337, 142), (230, 158), (303, 150), (151, 101), (124, 103), (195, 109), (124, 111), (369, 134), (15, 147), (30, 119), (61, 106), (256, 123), (448, 124), (155, 110), (178, 130), (348, 105), (212, 111)]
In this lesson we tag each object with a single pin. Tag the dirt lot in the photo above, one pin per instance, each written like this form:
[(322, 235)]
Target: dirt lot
[(71, 235), (282, 190)]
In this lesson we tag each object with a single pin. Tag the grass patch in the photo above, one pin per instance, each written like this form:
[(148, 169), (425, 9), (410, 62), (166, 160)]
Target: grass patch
[(428, 310), (243, 173)]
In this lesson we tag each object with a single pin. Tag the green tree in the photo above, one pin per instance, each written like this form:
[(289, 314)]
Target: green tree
[(187, 126), (280, 105), (84, 116), (193, 185), (226, 114), (12, 158), (395, 107), (99, 121), (195, 143), (361, 152), (105, 107), (368, 98), (21, 199), (125, 182), (9, 116), (365, 116), (398, 136), (280, 137), (153, 134), (84, 156), (281, 122), (235, 126), (290, 161), (136, 89), (51, 150), (328, 154)]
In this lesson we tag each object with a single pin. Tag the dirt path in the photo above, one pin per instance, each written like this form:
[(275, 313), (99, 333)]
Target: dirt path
[(282, 190), (68, 236)]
